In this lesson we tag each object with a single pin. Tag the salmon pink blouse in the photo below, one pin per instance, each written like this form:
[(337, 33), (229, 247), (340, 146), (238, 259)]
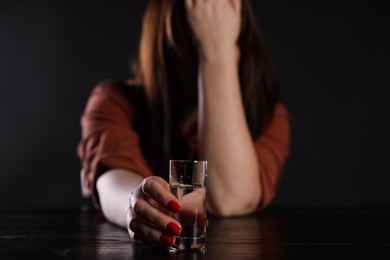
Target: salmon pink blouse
[(113, 133)]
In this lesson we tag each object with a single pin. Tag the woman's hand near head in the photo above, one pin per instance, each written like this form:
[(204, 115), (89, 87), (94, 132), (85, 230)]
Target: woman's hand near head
[(223, 132), (215, 24), (148, 219)]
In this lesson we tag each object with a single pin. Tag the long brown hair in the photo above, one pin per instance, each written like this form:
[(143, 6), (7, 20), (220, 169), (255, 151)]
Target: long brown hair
[(165, 30)]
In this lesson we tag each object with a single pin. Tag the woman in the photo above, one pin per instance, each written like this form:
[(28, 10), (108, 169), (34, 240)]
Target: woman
[(204, 89)]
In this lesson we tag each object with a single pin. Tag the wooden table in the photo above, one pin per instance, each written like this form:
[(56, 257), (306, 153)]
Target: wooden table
[(273, 234)]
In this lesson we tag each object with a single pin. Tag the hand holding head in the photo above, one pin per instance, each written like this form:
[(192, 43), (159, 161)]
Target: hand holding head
[(215, 25)]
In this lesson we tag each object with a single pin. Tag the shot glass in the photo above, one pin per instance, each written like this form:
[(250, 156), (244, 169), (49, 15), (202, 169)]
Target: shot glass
[(187, 181)]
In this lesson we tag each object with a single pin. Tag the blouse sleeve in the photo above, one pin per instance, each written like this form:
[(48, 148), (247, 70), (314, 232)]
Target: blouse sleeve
[(108, 140), (272, 148)]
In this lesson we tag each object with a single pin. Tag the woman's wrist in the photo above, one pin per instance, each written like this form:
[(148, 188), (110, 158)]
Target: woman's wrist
[(218, 55)]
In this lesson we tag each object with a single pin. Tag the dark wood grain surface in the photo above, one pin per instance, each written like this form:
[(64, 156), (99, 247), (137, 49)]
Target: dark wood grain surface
[(272, 234)]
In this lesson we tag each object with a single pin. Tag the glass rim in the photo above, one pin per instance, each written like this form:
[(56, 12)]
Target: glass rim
[(188, 161)]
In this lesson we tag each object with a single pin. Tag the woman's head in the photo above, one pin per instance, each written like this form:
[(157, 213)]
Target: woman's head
[(167, 50)]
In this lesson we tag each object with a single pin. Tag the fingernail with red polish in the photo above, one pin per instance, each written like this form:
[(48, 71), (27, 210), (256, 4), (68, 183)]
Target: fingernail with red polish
[(174, 228), (167, 239), (174, 206)]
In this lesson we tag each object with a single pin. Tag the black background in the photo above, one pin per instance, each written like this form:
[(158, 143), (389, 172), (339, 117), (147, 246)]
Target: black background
[(333, 63)]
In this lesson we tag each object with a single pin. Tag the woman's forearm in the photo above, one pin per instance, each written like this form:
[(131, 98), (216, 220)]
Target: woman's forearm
[(224, 140), (114, 188)]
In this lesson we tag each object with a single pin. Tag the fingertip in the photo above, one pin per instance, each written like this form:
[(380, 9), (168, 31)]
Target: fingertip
[(174, 228), (167, 239), (173, 206)]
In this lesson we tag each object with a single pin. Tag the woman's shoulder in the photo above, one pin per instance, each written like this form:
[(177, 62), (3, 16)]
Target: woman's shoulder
[(281, 110), (122, 87), (117, 96), (120, 91)]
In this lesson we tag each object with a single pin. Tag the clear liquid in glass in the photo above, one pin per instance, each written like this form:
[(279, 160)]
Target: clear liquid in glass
[(192, 217)]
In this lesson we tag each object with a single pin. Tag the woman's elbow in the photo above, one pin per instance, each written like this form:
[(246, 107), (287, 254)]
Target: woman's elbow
[(233, 207)]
